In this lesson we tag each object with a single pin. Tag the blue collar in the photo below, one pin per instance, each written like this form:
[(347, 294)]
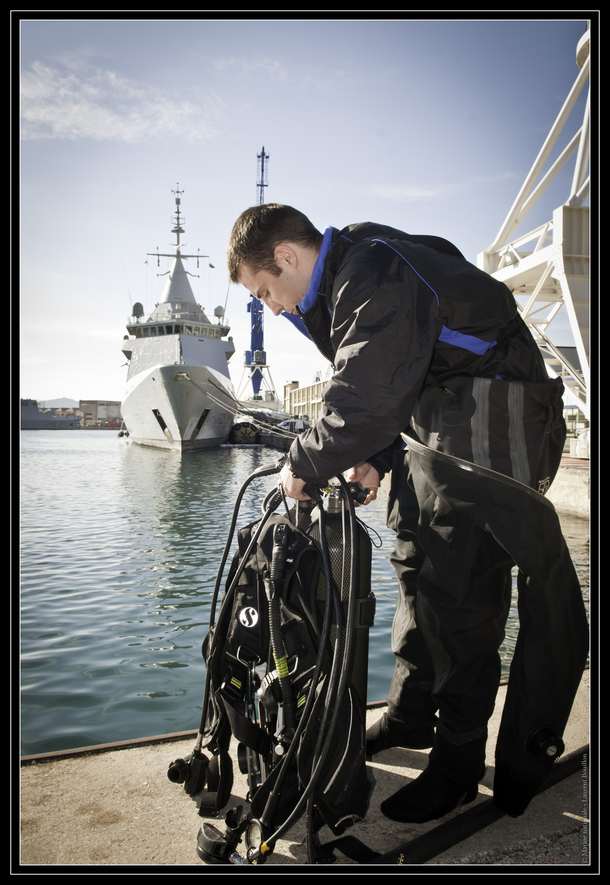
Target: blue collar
[(311, 296)]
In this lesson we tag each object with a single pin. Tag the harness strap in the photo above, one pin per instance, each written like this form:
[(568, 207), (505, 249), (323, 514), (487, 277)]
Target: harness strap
[(219, 782), (245, 731)]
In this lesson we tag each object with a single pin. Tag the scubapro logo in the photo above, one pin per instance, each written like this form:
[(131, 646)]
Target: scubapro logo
[(248, 617)]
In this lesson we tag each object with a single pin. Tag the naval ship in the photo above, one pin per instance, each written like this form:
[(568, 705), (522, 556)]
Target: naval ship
[(178, 375)]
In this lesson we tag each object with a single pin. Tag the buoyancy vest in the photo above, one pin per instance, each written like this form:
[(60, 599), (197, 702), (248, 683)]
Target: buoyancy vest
[(247, 697)]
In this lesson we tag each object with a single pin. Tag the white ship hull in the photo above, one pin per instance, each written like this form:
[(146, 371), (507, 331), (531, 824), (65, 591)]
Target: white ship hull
[(178, 366), (171, 407)]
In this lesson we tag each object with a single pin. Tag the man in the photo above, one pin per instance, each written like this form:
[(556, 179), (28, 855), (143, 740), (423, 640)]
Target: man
[(422, 340)]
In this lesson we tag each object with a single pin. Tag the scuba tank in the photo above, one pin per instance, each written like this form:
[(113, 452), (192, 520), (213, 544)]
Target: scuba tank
[(286, 676)]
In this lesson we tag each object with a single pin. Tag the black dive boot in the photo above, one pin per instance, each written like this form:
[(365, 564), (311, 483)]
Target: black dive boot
[(388, 732), (451, 779)]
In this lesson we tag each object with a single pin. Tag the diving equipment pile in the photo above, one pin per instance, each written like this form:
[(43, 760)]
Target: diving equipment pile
[(286, 676)]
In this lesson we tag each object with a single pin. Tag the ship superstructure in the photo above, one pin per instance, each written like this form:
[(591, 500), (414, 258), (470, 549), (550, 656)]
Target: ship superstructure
[(178, 364)]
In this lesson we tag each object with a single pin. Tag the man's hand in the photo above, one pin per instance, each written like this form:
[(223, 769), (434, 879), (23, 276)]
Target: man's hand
[(367, 476), (293, 487)]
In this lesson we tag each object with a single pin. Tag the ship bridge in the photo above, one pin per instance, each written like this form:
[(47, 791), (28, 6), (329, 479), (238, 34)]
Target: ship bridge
[(178, 300)]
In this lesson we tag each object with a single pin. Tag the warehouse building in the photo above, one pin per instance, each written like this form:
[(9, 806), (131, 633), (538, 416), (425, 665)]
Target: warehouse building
[(100, 413)]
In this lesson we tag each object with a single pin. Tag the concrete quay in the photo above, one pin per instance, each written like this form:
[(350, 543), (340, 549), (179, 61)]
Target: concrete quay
[(117, 807), (570, 492)]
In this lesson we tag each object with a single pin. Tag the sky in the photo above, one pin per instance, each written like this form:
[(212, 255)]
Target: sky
[(428, 126)]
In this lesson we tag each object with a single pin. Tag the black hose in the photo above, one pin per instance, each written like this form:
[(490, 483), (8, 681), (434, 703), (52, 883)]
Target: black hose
[(332, 698), (310, 614), (268, 498), (321, 752), (260, 472), (337, 680), (272, 582), (348, 634), (330, 692), (280, 659), (226, 601), (272, 800)]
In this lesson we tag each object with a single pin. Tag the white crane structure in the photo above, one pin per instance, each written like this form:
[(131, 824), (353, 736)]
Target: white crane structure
[(549, 265)]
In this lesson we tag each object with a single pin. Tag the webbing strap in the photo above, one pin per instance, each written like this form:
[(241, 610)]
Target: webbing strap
[(245, 731), (219, 783)]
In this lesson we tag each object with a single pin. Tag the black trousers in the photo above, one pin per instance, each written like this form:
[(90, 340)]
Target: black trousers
[(473, 525), (454, 597)]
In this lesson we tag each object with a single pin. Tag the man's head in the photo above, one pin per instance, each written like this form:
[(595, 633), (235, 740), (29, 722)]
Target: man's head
[(272, 251)]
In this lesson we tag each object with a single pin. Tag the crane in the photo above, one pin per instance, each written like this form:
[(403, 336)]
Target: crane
[(256, 358), (547, 267)]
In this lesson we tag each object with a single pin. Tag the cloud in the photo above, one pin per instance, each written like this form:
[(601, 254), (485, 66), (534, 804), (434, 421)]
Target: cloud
[(235, 64), (69, 101), (414, 193), (322, 80)]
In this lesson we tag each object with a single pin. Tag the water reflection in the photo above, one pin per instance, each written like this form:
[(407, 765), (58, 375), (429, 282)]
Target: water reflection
[(120, 548)]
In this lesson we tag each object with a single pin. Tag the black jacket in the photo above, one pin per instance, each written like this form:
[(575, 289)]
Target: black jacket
[(397, 314)]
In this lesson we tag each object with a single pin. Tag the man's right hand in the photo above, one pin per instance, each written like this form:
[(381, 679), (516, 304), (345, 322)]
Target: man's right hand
[(292, 485), (367, 476)]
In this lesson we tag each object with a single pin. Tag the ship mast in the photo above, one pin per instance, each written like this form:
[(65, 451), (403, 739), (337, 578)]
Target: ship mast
[(177, 230)]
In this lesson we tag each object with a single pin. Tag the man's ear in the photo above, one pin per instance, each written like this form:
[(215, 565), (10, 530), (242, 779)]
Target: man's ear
[(285, 256)]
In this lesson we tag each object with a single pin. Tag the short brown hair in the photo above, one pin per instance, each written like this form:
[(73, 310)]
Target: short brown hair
[(258, 231)]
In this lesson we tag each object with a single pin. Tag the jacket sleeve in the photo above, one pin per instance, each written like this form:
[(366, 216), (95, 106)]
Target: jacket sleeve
[(382, 461), (383, 332)]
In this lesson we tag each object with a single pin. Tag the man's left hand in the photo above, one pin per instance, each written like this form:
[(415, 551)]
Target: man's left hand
[(292, 485)]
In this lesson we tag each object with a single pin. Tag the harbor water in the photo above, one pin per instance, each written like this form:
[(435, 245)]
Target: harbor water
[(120, 546)]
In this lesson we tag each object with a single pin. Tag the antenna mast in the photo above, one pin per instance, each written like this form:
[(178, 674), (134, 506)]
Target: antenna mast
[(177, 229), (262, 176)]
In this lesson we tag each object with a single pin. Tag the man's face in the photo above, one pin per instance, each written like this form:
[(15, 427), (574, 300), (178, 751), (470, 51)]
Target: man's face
[(271, 290), (281, 292)]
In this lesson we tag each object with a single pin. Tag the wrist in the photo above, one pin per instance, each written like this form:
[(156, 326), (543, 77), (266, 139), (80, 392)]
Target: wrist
[(291, 470), (378, 467)]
